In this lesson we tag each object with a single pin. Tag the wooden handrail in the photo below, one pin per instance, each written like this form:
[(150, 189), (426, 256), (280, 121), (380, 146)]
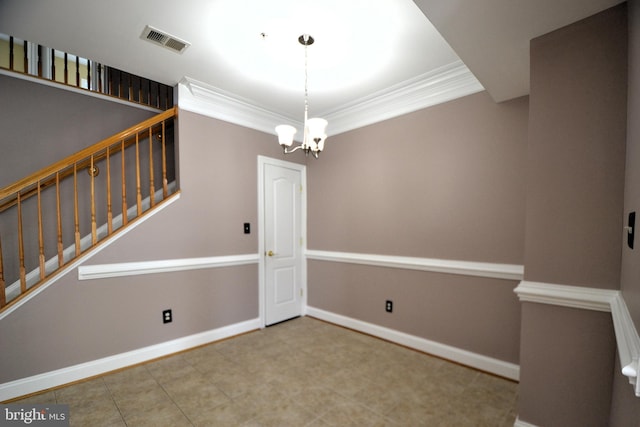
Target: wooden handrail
[(40, 222), (80, 155), (85, 164)]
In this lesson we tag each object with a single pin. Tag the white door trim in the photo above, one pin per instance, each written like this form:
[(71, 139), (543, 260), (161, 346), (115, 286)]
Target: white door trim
[(262, 161)]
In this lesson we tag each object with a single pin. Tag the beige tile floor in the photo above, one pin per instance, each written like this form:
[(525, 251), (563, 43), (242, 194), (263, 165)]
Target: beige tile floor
[(303, 372)]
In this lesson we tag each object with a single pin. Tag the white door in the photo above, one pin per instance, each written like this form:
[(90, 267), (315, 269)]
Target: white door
[(282, 255)]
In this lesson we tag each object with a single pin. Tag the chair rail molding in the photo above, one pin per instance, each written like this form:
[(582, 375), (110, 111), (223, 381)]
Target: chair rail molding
[(103, 271), (466, 268), (596, 299)]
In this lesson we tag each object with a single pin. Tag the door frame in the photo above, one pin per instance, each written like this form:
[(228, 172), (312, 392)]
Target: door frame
[(262, 161)]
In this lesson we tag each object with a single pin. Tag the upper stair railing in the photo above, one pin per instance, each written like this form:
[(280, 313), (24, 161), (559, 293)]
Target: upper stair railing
[(93, 193), (21, 56)]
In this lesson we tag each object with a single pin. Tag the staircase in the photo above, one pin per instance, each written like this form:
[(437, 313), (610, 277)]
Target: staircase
[(57, 214)]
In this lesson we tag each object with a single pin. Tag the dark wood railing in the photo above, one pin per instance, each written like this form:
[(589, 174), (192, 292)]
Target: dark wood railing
[(41, 62), (59, 203)]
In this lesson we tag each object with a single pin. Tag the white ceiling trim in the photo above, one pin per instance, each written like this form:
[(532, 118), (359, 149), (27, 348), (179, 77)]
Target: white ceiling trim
[(441, 85), (201, 98)]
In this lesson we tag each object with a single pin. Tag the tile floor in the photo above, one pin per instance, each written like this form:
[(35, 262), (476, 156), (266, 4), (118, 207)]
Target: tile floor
[(303, 372)]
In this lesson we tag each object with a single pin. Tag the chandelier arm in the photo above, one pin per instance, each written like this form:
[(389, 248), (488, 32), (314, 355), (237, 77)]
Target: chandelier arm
[(294, 149)]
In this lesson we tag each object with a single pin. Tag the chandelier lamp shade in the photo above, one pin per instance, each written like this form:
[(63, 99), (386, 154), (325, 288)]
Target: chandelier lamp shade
[(314, 131)]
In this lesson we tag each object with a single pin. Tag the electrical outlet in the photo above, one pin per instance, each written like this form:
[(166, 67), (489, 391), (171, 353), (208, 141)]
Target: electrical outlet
[(167, 317), (389, 306)]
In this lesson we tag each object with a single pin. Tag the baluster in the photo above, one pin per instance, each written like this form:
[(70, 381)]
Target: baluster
[(88, 74), (100, 78), (23, 274), (66, 68), (120, 86), (39, 50), (109, 212), (76, 216), (152, 189), (165, 189), (25, 60), (149, 93), (40, 234), (77, 71), (138, 188), (125, 218), (94, 227), (109, 76), (130, 87), (140, 91), (10, 56), (157, 103), (53, 65), (59, 214), (3, 297)]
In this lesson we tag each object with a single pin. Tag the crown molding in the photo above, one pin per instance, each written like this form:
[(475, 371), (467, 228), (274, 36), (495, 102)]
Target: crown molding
[(201, 98), (441, 85)]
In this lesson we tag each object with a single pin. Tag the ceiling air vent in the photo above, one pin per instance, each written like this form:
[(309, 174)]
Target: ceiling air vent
[(163, 39)]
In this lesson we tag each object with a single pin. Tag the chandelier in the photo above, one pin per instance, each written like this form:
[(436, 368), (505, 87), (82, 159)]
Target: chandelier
[(314, 131)]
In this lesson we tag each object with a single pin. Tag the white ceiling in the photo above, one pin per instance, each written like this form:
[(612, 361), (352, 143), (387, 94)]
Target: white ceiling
[(382, 53)]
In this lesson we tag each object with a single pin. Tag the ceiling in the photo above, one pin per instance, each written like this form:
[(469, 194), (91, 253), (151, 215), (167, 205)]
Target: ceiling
[(371, 60)]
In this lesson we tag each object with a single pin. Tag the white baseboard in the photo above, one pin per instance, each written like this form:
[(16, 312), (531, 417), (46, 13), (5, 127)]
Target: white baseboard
[(474, 360), (47, 380), (520, 423)]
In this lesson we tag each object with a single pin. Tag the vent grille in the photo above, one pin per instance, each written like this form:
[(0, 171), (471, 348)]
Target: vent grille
[(163, 39)]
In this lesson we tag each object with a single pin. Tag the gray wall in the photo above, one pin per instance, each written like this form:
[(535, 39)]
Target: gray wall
[(42, 124), (575, 178), (625, 405), (445, 182), (73, 322)]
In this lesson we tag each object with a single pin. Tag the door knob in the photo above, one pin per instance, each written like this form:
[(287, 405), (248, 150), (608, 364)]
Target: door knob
[(270, 253)]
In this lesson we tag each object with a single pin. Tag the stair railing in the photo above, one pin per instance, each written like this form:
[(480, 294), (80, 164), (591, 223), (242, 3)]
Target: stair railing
[(24, 57), (43, 216)]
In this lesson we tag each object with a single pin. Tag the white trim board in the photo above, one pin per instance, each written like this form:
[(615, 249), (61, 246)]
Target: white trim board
[(102, 271), (47, 380), (474, 360), (596, 299), (467, 268), (444, 84), (520, 423)]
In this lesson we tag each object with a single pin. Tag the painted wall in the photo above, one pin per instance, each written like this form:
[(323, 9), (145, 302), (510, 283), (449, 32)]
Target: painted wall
[(625, 405), (73, 322), (36, 125), (42, 124), (575, 178), (445, 182)]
